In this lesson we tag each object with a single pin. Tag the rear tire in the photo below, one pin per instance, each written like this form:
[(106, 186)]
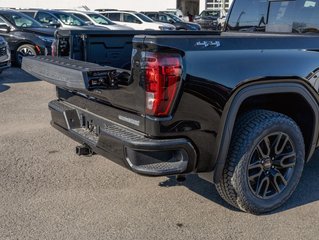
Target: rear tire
[(264, 163), (23, 51)]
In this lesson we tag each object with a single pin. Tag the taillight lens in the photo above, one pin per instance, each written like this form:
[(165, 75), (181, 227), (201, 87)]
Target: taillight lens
[(162, 78)]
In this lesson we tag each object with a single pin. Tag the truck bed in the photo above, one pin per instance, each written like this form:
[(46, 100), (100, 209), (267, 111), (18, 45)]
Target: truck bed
[(111, 48)]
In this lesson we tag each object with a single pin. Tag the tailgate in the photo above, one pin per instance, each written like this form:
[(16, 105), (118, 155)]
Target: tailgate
[(110, 92), (73, 74)]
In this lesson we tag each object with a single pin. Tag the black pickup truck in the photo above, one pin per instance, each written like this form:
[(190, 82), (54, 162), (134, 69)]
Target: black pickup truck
[(239, 108)]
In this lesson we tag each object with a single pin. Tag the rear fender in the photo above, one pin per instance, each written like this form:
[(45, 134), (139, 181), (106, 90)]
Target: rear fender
[(256, 89)]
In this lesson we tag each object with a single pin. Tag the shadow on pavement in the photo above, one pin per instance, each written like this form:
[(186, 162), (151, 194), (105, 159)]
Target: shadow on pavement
[(199, 186), (3, 88), (14, 75), (307, 191)]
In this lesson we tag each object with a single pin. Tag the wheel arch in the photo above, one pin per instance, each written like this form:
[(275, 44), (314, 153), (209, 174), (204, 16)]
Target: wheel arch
[(24, 42), (236, 105), (16, 45), (19, 44), (14, 51)]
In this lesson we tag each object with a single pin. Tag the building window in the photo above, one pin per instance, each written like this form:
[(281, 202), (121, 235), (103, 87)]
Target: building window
[(218, 4)]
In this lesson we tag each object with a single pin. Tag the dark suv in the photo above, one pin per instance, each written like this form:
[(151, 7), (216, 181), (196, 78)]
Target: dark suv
[(211, 19), (172, 19), (25, 36)]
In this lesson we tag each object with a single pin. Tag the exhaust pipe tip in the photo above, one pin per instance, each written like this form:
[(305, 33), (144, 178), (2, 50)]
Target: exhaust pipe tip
[(83, 150)]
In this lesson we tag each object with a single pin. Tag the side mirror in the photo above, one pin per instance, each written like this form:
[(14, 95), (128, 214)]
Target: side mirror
[(4, 28), (171, 21), (54, 24), (88, 23)]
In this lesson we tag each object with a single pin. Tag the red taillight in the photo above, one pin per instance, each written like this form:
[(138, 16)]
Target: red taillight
[(162, 77)]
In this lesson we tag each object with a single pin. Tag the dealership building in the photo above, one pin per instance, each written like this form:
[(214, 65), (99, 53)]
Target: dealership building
[(192, 6)]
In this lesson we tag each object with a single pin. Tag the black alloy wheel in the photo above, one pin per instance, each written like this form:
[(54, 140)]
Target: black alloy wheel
[(264, 163), (271, 165)]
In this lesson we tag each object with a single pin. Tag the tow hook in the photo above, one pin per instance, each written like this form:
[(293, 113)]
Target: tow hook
[(84, 150)]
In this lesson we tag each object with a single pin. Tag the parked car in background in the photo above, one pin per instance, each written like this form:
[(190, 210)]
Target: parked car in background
[(105, 9), (211, 19), (98, 19), (57, 19), (177, 12), (172, 19), (25, 36), (137, 21), (4, 53)]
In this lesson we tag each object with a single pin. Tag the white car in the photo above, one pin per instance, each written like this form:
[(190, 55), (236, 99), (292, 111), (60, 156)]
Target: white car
[(137, 21), (98, 19)]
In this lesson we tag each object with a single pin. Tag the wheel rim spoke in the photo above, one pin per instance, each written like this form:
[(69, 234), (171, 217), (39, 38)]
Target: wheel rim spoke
[(280, 143), (256, 168), (262, 189), (286, 160), (278, 181), (264, 150), (25, 52), (281, 178)]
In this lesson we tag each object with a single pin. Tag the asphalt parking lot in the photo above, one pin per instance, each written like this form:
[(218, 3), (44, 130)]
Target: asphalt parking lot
[(47, 192)]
